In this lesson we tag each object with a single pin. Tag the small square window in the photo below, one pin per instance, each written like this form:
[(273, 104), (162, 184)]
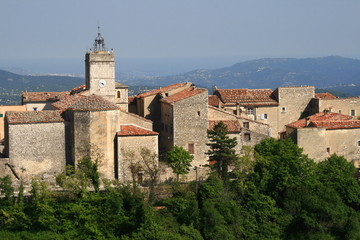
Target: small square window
[(328, 150), (1, 115), (358, 143), (198, 113), (352, 112), (246, 125), (283, 109), (247, 137), (250, 111), (264, 116), (340, 111)]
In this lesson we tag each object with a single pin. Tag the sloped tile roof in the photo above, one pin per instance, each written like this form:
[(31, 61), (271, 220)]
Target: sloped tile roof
[(233, 126), (329, 125), (131, 99), (213, 100), (67, 101), (325, 96), (34, 117), (320, 117), (132, 130), (43, 96), (161, 90), (247, 96), (78, 89), (93, 103), (184, 94)]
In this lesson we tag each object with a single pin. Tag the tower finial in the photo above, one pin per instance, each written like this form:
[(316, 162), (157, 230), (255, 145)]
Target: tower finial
[(99, 44)]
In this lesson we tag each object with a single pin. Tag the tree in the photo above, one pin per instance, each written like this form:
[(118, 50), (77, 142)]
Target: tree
[(151, 168), (179, 160), (134, 166), (222, 152)]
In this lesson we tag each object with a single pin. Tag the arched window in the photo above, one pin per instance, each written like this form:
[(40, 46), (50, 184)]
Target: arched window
[(118, 94)]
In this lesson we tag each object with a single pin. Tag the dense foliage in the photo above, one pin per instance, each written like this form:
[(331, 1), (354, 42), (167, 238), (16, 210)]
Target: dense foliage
[(179, 160), (279, 194)]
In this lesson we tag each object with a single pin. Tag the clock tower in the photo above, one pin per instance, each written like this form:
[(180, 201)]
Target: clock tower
[(100, 70)]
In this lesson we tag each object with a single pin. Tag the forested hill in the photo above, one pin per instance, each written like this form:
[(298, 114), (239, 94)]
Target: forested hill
[(272, 73), (14, 81)]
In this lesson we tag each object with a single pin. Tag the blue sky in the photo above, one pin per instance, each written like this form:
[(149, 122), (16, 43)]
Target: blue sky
[(180, 29)]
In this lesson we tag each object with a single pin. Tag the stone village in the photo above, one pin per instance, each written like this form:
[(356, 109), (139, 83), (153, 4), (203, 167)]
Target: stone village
[(52, 129)]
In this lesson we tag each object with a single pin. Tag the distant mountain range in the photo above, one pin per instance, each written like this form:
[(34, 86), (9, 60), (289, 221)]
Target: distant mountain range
[(337, 74), (272, 73)]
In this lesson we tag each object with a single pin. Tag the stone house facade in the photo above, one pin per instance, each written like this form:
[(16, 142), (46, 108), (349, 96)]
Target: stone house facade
[(276, 108), (325, 133)]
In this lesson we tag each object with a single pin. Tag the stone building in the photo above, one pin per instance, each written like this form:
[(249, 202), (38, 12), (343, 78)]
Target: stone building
[(276, 108), (328, 102), (60, 128), (325, 133)]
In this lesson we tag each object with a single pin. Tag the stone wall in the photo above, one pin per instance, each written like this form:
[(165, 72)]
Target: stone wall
[(344, 142), (37, 149), (191, 124), (293, 104), (313, 142), (341, 105), (133, 144), (166, 137), (130, 118)]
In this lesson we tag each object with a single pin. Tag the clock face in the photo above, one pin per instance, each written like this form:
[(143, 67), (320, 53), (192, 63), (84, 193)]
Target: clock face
[(102, 83)]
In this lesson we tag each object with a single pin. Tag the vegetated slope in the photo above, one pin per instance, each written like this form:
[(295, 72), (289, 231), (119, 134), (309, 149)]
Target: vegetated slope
[(13, 81), (272, 73)]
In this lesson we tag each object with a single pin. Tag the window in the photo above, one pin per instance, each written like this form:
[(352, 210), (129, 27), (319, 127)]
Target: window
[(250, 111), (247, 137), (35, 108), (198, 113), (118, 94), (234, 112), (139, 177), (328, 150), (283, 109), (191, 148), (352, 112), (246, 125), (358, 143), (1, 115), (264, 116), (166, 94), (340, 111)]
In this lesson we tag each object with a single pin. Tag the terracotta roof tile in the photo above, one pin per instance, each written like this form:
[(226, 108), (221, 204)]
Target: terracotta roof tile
[(131, 99), (67, 101), (325, 96), (43, 96), (336, 124), (323, 116), (78, 89), (93, 103), (34, 117), (233, 126), (247, 96), (213, 100), (184, 94), (131, 130), (161, 90)]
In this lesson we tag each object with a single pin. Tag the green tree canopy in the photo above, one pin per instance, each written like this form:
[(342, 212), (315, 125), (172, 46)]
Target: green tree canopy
[(222, 152), (179, 160)]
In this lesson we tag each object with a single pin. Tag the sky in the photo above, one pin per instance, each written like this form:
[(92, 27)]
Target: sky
[(176, 33)]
